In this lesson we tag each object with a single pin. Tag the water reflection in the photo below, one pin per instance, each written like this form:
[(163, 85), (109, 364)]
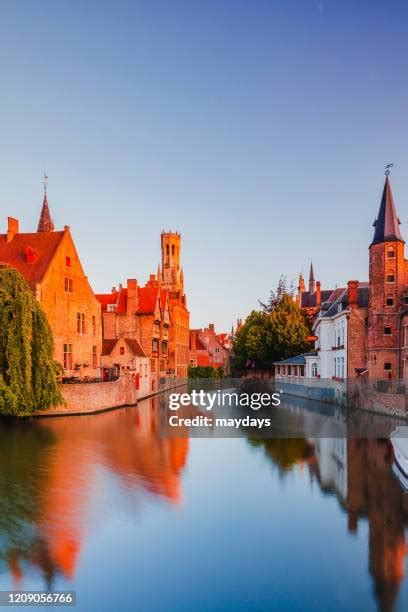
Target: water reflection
[(48, 471), (52, 469)]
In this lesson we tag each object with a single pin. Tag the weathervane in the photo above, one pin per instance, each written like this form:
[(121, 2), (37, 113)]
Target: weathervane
[(45, 182), (387, 169)]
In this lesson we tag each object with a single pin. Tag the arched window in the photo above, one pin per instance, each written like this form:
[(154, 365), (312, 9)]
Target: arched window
[(314, 369)]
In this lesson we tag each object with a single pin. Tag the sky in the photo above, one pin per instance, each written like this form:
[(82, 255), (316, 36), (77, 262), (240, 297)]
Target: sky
[(258, 129)]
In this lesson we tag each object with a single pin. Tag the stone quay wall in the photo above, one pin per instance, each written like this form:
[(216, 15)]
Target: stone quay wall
[(89, 398), (387, 397)]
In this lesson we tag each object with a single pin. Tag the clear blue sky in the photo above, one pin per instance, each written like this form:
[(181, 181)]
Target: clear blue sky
[(258, 129)]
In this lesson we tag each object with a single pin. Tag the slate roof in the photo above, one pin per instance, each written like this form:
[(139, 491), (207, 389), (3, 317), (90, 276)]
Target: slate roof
[(341, 297), (42, 244), (309, 299), (297, 359), (387, 223)]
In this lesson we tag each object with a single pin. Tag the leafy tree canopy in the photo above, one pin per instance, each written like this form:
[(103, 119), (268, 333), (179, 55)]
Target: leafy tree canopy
[(279, 331), (28, 372)]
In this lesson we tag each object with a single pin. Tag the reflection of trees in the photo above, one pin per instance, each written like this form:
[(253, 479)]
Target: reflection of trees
[(22, 451), (285, 452)]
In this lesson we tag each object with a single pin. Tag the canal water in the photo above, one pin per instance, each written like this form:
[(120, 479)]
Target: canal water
[(106, 506)]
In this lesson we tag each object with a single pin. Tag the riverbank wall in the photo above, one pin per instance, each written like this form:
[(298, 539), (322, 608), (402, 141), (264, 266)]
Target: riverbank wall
[(91, 398), (386, 397)]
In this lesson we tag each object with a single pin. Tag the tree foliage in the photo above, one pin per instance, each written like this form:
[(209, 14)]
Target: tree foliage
[(279, 331), (28, 372), (205, 372)]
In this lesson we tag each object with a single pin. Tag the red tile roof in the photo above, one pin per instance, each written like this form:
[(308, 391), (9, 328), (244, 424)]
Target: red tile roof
[(14, 253), (147, 300), (121, 307), (107, 298), (135, 347), (108, 346)]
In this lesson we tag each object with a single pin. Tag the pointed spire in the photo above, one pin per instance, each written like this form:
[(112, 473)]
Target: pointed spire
[(45, 223), (159, 278), (387, 223), (312, 284)]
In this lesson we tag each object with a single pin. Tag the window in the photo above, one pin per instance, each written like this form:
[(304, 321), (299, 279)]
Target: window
[(172, 249), (406, 300), (67, 356), (94, 357), (93, 325), (69, 285), (405, 335), (387, 366), (390, 278), (390, 253), (155, 345), (167, 249), (81, 323), (387, 331), (302, 370), (314, 369), (111, 307), (68, 262), (390, 302), (122, 350), (289, 370), (342, 367)]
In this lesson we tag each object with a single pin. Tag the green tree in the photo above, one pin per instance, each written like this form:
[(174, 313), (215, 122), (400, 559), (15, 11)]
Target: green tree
[(28, 372), (271, 335)]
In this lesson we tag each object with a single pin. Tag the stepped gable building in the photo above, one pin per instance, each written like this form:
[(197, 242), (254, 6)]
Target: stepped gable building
[(141, 314), (311, 300), (171, 278), (49, 262), (387, 337), (207, 348)]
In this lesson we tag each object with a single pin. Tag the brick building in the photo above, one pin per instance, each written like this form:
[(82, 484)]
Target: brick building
[(139, 313), (171, 278), (207, 349), (50, 264), (311, 299)]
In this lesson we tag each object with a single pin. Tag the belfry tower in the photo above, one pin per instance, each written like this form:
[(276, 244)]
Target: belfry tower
[(171, 271)]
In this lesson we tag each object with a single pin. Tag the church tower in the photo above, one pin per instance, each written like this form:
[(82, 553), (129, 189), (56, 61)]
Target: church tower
[(387, 290), (171, 273)]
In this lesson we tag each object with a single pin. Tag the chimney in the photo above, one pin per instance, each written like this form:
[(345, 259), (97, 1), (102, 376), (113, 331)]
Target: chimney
[(12, 228), (193, 338), (132, 296), (318, 298), (352, 293), (211, 327)]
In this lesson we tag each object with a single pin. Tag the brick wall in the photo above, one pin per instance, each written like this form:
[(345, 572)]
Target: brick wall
[(62, 307)]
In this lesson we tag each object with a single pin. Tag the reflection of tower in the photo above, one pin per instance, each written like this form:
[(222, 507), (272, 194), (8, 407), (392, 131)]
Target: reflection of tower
[(374, 492), (172, 276)]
